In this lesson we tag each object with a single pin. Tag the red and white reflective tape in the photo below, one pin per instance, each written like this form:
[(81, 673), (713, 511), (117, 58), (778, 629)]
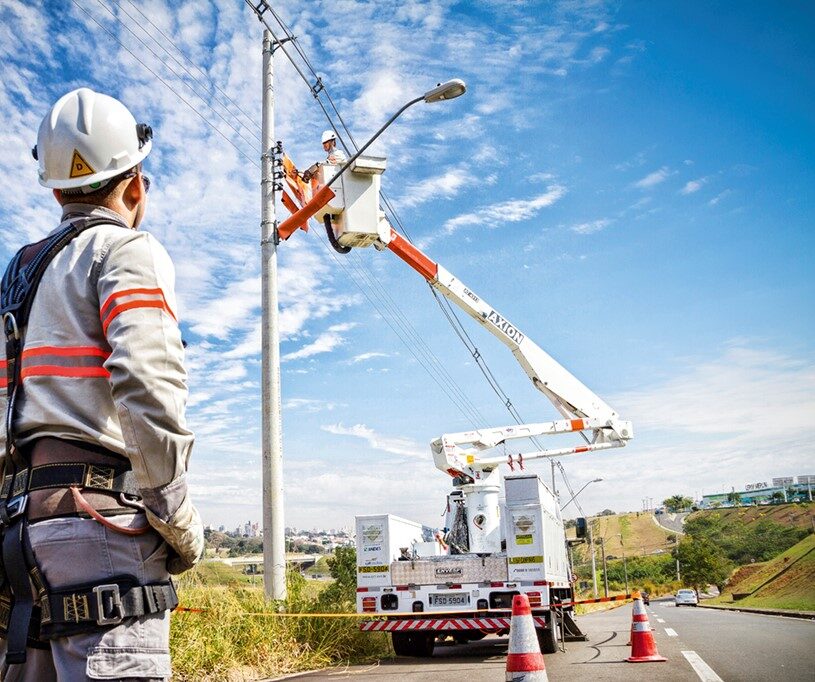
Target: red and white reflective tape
[(441, 624)]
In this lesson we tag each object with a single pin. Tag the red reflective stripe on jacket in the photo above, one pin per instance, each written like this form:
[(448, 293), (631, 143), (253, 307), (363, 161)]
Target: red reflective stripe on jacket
[(3, 382), (130, 306), (59, 371), (65, 351), (132, 292)]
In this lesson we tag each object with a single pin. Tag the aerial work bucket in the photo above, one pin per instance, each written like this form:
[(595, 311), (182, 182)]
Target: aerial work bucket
[(354, 211)]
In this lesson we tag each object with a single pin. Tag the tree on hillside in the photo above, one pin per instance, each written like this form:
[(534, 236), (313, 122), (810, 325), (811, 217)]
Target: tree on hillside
[(777, 497), (677, 503), (606, 512), (342, 592), (734, 498), (701, 563)]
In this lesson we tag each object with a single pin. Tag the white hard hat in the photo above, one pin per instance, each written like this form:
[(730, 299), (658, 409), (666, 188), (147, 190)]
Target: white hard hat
[(87, 138), (329, 135)]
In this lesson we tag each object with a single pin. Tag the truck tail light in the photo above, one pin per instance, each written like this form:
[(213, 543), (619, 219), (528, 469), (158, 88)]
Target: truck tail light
[(362, 589), (542, 583), (454, 587), (497, 584), (534, 598), (369, 603), (402, 588)]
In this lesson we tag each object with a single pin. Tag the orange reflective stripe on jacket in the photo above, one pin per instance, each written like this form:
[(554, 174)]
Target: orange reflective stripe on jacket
[(64, 361), (3, 376), (147, 298)]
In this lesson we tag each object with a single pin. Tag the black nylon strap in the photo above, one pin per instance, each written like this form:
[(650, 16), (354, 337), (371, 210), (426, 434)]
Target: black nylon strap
[(79, 474), (22, 597), (77, 608)]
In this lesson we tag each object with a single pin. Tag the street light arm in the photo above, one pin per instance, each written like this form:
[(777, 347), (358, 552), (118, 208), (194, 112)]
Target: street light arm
[(373, 139), (571, 499)]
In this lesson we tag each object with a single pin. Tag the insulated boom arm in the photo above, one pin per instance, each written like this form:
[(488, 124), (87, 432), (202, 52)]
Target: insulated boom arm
[(583, 410)]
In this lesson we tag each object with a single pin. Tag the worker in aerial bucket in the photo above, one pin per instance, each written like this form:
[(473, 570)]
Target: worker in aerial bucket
[(94, 508), (335, 156)]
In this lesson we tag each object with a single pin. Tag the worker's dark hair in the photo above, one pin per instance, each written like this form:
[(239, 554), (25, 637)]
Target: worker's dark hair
[(100, 196)]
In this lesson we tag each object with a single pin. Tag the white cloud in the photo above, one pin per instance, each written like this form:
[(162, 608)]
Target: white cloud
[(363, 357), (444, 186), (653, 179), (511, 211), (592, 226), (721, 195), (403, 447), (309, 405), (693, 186), (324, 343)]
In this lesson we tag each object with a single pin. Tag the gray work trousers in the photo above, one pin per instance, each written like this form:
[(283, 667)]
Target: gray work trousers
[(74, 551)]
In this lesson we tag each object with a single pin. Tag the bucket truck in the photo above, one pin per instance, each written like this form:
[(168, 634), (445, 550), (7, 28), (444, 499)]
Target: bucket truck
[(422, 585)]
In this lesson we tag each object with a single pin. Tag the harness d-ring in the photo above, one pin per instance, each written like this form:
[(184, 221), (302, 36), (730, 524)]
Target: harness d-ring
[(9, 317)]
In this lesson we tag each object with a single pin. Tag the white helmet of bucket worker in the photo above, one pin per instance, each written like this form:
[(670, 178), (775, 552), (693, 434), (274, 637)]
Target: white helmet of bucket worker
[(329, 135), (86, 139)]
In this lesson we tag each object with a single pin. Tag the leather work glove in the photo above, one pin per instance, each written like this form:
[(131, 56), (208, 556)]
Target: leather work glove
[(181, 527)]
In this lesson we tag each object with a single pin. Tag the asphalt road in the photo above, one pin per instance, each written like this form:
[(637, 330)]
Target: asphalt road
[(724, 645), (671, 522)]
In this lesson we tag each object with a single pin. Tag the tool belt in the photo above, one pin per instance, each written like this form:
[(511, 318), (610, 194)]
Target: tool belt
[(30, 611)]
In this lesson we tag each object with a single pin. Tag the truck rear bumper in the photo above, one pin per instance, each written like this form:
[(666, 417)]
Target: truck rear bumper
[(485, 624)]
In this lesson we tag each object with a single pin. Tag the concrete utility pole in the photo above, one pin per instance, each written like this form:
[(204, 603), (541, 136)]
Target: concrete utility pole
[(625, 564), (593, 558), (274, 534), (605, 569)]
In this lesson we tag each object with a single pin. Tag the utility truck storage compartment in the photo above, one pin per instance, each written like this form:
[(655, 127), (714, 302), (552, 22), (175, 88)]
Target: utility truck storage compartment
[(459, 569), (534, 532), (381, 539)]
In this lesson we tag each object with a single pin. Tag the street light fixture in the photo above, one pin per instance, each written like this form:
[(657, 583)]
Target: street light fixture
[(596, 480), (443, 91)]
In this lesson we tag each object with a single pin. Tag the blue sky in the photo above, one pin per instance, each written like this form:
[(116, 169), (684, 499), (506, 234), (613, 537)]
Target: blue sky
[(629, 183)]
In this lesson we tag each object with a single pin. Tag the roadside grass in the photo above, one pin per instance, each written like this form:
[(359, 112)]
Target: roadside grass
[(640, 534), (238, 635), (795, 515), (793, 588)]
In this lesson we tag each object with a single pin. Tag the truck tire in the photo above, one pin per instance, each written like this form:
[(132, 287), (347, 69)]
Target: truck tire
[(547, 637), (424, 643), (414, 644)]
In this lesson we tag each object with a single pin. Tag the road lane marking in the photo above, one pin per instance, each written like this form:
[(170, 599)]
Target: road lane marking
[(671, 632), (659, 620), (702, 669)]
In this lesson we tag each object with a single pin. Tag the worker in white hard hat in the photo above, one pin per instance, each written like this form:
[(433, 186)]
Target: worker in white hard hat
[(336, 156), (94, 508)]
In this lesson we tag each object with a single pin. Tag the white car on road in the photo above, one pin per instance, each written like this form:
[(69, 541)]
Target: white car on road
[(686, 598)]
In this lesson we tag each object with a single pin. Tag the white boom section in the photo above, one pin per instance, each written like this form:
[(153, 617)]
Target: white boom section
[(583, 409)]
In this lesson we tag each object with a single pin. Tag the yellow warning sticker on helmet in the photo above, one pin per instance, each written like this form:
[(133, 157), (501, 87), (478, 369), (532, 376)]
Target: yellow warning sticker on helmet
[(79, 166)]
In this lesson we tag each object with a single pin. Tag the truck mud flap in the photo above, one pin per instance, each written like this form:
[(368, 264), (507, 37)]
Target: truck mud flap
[(572, 630)]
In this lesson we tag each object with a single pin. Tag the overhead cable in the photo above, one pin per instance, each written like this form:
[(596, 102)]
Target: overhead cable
[(166, 84)]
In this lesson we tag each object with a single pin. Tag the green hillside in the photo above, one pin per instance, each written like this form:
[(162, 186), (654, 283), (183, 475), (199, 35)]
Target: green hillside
[(798, 515), (786, 582)]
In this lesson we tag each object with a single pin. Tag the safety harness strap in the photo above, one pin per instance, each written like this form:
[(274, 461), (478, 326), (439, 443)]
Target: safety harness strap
[(23, 600), (72, 474), (84, 608)]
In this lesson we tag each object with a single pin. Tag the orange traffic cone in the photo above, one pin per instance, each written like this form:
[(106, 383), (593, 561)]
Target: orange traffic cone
[(524, 660), (643, 646)]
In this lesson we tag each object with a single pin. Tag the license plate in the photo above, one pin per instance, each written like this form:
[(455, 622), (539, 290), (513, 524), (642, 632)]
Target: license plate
[(455, 599)]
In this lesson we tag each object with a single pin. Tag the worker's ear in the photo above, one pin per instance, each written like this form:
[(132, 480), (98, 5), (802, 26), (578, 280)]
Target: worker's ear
[(133, 193)]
